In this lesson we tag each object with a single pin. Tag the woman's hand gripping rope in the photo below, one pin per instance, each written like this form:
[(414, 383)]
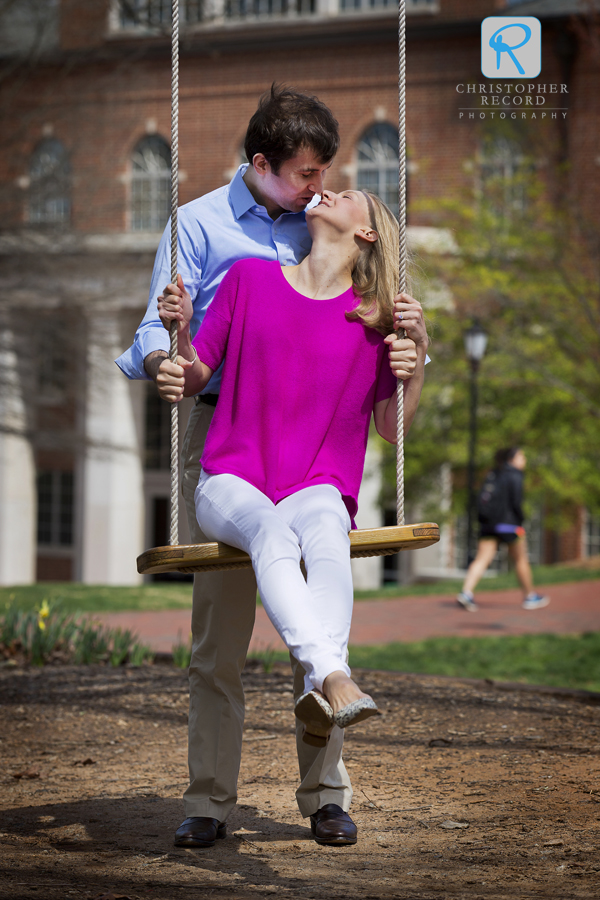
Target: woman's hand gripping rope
[(404, 351)]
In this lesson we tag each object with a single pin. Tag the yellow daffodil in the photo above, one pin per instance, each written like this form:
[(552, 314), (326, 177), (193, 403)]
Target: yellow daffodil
[(43, 613)]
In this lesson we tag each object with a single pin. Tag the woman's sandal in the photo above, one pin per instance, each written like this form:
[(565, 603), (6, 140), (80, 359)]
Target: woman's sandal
[(316, 714), (357, 711)]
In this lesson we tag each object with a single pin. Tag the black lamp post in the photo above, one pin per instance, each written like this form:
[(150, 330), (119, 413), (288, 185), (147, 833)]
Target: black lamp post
[(475, 343)]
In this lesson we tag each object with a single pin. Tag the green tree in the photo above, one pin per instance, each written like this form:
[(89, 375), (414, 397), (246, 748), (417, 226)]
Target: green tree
[(528, 269)]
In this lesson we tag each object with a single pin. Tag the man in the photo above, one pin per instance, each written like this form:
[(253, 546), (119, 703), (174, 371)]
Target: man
[(291, 142)]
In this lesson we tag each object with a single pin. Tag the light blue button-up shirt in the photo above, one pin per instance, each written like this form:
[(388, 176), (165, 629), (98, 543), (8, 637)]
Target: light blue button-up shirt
[(214, 231)]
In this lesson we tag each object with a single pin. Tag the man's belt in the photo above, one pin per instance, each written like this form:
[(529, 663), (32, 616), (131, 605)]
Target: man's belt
[(209, 399)]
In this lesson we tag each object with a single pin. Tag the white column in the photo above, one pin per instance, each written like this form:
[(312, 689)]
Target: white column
[(112, 497), (18, 499), (367, 572), (436, 561), (328, 7)]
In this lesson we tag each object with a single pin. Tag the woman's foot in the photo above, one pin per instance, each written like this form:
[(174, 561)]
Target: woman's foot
[(348, 702), (314, 711)]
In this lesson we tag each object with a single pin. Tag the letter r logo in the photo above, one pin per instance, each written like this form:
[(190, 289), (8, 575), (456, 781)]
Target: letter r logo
[(511, 47)]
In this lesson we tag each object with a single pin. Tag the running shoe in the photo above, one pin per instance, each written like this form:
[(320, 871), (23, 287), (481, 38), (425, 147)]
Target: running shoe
[(535, 601), (466, 601)]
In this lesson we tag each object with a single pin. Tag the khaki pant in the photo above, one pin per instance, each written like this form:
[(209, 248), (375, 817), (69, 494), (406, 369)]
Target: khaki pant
[(223, 612)]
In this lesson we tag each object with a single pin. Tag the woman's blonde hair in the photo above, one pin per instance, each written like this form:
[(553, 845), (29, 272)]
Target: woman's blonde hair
[(375, 275)]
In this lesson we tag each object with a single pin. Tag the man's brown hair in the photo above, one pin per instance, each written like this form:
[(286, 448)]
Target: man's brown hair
[(287, 121)]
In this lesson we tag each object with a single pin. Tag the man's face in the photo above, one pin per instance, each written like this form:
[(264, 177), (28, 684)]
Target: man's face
[(296, 183), (519, 460)]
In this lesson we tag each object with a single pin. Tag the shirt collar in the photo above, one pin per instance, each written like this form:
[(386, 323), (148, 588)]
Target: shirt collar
[(239, 195), (242, 200)]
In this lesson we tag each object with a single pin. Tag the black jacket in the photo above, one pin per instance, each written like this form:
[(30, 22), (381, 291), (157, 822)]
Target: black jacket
[(501, 497), (514, 495)]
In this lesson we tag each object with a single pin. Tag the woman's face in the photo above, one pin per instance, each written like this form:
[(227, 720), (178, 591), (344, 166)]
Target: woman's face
[(347, 213)]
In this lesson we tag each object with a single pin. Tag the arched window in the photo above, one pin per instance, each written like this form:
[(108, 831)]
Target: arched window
[(378, 163), (150, 184), (50, 183)]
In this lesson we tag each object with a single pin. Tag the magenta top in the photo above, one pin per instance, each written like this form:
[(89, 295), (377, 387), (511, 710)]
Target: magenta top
[(299, 384)]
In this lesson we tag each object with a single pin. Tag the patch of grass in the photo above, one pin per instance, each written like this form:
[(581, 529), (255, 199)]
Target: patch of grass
[(569, 661), (140, 654), (48, 634), (82, 598), (267, 656), (182, 652), (88, 598), (542, 575)]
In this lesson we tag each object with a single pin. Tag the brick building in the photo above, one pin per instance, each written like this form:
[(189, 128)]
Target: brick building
[(85, 97)]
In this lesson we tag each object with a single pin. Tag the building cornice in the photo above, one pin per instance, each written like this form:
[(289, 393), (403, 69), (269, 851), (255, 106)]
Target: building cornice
[(257, 36)]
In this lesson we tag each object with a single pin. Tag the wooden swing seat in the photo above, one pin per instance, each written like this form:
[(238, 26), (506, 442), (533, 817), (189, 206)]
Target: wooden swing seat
[(209, 557)]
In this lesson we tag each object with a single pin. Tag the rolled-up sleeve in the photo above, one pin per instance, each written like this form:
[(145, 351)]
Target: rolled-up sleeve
[(151, 335)]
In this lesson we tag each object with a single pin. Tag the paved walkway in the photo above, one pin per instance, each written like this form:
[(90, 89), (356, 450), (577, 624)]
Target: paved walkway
[(574, 608)]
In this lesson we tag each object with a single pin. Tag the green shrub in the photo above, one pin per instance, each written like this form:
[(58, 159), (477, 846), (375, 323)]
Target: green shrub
[(268, 657), (122, 644), (43, 634), (182, 653), (139, 654), (90, 643)]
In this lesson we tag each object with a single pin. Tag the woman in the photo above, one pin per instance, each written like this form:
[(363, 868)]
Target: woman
[(306, 364), (501, 520)]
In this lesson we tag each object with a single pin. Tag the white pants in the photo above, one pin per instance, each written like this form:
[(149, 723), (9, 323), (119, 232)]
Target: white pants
[(312, 617), (222, 622)]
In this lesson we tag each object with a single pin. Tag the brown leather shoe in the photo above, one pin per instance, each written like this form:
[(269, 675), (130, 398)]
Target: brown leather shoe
[(331, 825), (199, 831)]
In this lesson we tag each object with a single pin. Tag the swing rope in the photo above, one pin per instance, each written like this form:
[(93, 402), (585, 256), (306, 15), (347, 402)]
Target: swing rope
[(401, 247), (214, 556), (174, 529)]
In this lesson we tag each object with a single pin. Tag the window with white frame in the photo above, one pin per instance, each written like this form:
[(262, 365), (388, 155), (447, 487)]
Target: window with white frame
[(377, 170), (150, 184), (49, 184), (591, 535), (254, 9), (55, 508), (151, 15), (416, 6), (505, 172), (136, 15)]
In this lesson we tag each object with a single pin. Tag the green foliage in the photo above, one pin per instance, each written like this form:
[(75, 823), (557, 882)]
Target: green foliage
[(182, 652), (268, 656), (37, 632), (91, 644), (122, 641), (140, 654), (49, 634), (529, 270), (571, 661)]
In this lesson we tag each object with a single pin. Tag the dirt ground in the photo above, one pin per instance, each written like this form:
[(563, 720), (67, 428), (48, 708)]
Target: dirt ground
[(462, 790)]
